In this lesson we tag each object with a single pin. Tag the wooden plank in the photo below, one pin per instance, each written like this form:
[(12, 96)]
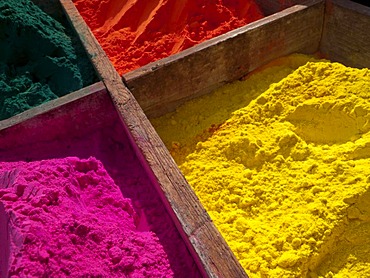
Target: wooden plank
[(51, 105), (211, 252), (24, 134), (346, 34), (20, 129), (66, 120), (162, 86)]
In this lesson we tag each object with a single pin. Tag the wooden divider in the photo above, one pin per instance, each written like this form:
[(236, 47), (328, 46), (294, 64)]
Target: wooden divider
[(207, 246), (346, 34), (162, 86), (18, 125)]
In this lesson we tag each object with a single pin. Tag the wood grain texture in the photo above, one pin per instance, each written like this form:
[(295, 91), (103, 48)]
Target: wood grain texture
[(25, 118), (52, 130), (162, 86), (28, 128), (23, 133), (61, 120), (346, 34), (211, 252)]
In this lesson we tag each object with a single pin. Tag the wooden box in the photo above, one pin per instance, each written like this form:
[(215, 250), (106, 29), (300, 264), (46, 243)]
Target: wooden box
[(339, 29), (336, 28), (83, 124)]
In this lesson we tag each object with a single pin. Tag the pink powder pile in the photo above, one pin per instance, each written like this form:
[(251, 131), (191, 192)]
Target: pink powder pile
[(68, 218)]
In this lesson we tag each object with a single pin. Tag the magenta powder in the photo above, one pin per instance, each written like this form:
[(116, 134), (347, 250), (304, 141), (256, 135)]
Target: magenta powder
[(94, 129), (68, 218)]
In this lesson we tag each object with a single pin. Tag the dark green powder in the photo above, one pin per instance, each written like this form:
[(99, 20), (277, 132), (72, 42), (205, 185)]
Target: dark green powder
[(40, 59)]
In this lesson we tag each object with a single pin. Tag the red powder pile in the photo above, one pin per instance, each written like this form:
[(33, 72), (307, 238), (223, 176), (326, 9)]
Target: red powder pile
[(134, 33), (67, 218)]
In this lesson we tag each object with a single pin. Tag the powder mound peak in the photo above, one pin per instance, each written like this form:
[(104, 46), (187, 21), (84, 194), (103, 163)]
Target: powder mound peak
[(38, 55), (136, 32), (285, 178), (67, 218), (329, 122)]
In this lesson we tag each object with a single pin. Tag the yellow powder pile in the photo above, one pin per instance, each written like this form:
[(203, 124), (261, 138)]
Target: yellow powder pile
[(284, 170)]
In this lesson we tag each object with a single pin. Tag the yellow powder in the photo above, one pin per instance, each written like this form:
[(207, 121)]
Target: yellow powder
[(196, 121), (284, 172)]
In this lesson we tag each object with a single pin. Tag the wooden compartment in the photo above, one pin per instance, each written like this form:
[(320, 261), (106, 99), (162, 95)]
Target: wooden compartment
[(205, 242), (345, 37), (308, 27), (336, 28), (91, 112), (85, 124), (209, 65)]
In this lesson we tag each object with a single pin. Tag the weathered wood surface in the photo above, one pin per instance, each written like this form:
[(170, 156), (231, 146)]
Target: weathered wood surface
[(211, 252), (22, 136), (346, 34), (162, 86), (18, 124), (38, 124)]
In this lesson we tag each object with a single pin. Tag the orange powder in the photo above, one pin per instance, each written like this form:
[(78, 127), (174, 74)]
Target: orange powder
[(134, 33)]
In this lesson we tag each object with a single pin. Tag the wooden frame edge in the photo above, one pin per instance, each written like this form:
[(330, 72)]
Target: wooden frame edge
[(50, 105), (183, 205)]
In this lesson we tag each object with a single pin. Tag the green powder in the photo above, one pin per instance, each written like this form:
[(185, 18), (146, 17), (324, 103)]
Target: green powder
[(39, 58)]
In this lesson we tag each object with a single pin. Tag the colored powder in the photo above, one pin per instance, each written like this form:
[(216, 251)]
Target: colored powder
[(39, 58), (149, 221), (187, 128), (68, 219), (285, 177), (134, 33)]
